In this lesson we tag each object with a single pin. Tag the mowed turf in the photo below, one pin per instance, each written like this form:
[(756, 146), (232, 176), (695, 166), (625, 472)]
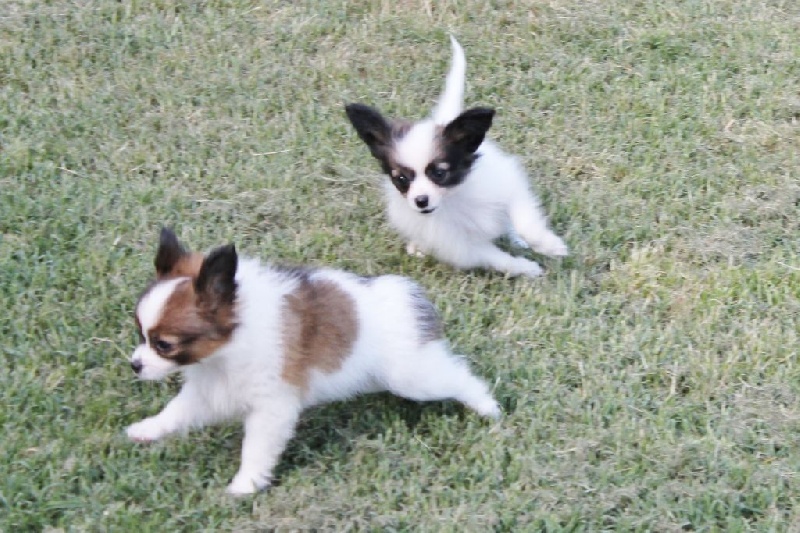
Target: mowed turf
[(650, 381)]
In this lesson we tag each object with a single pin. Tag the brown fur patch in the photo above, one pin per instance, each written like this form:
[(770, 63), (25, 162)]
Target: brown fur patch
[(192, 330), (188, 265), (319, 328), (428, 321), (439, 144)]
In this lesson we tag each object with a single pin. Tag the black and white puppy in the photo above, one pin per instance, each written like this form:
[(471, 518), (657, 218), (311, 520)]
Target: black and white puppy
[(451, 192)]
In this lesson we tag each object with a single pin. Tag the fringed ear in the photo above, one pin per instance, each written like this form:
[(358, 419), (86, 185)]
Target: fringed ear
[(170, 252), (468, 130), (374, 130), (215, 284)]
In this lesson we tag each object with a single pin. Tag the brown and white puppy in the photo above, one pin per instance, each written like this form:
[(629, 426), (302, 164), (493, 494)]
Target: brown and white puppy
[(450, 191), (262, 343)]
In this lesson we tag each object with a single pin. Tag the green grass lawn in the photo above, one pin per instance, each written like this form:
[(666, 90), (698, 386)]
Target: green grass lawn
[(650, 380)]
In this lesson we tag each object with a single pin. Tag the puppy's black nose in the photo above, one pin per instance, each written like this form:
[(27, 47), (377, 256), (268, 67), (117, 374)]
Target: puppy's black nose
[(421, 201), (136, 366)]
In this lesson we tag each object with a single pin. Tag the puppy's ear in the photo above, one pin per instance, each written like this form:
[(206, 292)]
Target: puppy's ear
[(469, 128), (170, 252), (374, 130), (215, 284)]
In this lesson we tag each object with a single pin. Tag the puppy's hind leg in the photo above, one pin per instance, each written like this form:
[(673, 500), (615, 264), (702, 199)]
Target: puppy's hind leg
[(490, 256), (531, 224), (433, 373)]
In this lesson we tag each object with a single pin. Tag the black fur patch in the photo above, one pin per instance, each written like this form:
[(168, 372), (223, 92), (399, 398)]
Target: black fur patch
[(215, 284), (169, 252), (372, 128), (459, 164), (294, 272), (458, 142), (380, 136), (428, 321), (468, 129)]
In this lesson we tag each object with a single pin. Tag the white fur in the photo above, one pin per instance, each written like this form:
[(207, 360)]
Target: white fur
[(416, 151), (452, 99), (149, 313), (494, 199), (243, 378)]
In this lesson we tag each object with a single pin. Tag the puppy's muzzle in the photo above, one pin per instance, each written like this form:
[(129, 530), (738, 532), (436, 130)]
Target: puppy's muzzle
[(137, 366)]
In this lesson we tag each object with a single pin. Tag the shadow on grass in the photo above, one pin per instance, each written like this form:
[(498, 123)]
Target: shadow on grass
[(330, 432)]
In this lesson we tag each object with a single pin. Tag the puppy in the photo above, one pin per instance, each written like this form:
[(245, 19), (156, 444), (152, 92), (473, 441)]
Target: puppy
[(451, 193), (262, 343)]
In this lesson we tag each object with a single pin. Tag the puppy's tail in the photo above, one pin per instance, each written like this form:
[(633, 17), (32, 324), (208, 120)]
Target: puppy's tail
[(451, 100)]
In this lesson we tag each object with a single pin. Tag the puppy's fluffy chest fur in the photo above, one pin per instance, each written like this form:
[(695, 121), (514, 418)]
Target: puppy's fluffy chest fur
[(473, 213)]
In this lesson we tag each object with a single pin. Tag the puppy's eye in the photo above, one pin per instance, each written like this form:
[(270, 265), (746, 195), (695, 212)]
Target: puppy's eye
[(163, 346), (438, 173), (401, 182)]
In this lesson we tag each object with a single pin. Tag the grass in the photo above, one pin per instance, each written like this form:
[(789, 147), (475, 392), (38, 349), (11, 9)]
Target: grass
[(650, 381)]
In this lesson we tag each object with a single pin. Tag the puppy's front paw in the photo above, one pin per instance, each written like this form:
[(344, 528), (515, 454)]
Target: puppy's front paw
[(551, 245), (489, 408), (531, 269), (148, 430), (412, 250), (244, 484)]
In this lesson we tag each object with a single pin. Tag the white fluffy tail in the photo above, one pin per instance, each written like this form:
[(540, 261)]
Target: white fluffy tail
[(451, 100)]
